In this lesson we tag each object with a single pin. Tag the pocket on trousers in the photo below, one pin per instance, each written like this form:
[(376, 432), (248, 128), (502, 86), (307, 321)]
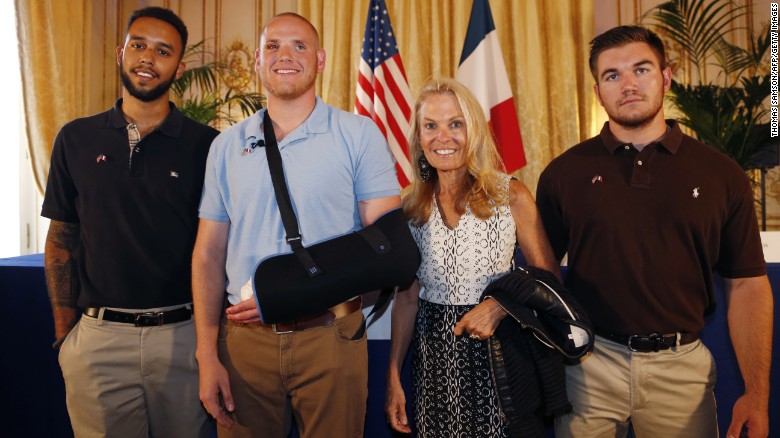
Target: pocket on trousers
[(348, 328), (226, 328), (68, 339)]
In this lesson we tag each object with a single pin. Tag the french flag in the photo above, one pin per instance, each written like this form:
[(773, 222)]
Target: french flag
[(483, 71)]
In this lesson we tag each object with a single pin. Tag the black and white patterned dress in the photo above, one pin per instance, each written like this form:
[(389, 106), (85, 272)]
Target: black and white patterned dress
[(453, 389)]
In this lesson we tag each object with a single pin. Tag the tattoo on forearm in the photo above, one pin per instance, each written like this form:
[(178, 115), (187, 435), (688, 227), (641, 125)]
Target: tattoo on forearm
[(60, 262)]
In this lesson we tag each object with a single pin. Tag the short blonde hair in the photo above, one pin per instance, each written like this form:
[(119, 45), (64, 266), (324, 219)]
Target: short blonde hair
[(482, 187)]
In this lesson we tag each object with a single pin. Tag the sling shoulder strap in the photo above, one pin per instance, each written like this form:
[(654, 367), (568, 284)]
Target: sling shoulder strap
[(294, 238)]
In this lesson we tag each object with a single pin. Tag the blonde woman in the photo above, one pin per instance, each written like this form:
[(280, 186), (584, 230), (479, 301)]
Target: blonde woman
[(466, 215)]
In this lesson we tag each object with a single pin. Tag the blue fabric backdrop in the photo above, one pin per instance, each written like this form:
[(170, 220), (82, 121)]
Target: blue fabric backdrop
[(33, 402)]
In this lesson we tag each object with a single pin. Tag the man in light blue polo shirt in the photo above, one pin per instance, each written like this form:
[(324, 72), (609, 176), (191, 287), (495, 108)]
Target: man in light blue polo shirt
[(341, 177)]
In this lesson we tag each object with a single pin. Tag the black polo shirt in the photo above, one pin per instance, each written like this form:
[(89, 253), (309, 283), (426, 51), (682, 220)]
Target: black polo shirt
[(137, 218), (646, 230)]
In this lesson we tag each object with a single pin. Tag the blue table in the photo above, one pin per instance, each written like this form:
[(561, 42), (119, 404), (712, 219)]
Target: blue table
[(33, 402)]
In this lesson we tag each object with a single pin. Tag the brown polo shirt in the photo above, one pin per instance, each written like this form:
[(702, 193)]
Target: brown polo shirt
[(645, 231)]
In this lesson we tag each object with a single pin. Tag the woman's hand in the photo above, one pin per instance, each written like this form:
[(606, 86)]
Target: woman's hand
[(481, 321)]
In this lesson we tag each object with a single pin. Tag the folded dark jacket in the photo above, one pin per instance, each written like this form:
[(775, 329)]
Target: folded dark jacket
[(545, 326)]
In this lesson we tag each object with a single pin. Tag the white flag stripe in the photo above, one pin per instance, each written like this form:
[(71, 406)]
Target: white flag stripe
[(381, 97), (394, 143), (490, 90), (400, 157), (365, 99), (391, 104), (365, 70), (399, 78)]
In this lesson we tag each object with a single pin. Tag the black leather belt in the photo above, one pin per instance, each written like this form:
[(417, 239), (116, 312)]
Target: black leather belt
[(142, 319), (651, 343)]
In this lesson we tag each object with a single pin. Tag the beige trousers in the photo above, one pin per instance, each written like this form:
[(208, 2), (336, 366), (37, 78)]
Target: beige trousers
[(319, 376), (665, 394), (126, 381)]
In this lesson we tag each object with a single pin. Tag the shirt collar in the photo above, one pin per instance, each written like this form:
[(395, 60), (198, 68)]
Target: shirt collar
[(316, 123), (670, 141), (171, 126)]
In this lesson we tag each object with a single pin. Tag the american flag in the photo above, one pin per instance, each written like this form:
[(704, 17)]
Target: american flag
[(382, 89)]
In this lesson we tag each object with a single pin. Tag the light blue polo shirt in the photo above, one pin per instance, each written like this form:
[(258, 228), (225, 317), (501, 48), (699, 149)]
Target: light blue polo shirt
[(331, 162)]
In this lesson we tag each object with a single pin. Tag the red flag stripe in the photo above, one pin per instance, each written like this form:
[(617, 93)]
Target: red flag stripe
[(484, 72), (394, 128), (393, 75), (399, 122), (365, 89), (382, 90), (396, 137), (510, 144)]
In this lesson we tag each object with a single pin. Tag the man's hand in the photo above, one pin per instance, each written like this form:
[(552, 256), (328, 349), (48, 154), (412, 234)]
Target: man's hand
[(208, 292), (244, 312), (215, 391), (395, 406), (750, 317), (749, 413), (481, 321)]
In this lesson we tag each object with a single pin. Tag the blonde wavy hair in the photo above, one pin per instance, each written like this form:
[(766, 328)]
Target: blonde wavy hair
[(481, 189)]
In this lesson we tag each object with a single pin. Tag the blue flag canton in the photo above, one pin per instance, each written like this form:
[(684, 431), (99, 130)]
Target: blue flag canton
[(378, 41), (480, 24)]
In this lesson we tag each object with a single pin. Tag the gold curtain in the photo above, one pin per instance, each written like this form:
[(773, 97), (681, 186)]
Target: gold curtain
[(64, 55), (69, 71), (544, 43), (50, 57)]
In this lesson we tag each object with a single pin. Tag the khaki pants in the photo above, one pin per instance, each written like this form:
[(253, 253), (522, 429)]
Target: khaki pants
[(126, 381), (319, 376), (664, 394)]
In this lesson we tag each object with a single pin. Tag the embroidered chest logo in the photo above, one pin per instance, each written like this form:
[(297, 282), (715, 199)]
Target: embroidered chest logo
[(696, 192), (174, 174), (596, 179)]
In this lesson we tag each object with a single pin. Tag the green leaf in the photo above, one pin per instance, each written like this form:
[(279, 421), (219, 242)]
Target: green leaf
[(198, 92), (730, 117), (696, 26)]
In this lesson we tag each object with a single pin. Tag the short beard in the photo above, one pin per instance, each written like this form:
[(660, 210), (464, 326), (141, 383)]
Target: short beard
[(144, 96), (634, 123), (637, 121), (290, 94)]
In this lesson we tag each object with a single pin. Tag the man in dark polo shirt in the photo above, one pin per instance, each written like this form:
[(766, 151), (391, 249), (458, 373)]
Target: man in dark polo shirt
[(122, 196), (647, 216)]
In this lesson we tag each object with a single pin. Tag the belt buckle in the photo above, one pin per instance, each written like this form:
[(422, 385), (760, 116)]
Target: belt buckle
[(630, 347), (655, 338), (155, 317), (277, 332)]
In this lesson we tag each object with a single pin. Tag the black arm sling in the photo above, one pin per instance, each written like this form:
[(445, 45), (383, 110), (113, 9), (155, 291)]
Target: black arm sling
[(311, 279)]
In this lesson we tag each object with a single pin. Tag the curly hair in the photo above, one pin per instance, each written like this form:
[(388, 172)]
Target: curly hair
[(481, 189), (165, 15)]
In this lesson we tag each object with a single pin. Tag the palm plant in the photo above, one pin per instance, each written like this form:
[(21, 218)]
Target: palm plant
[(198, 91), (728, 114)]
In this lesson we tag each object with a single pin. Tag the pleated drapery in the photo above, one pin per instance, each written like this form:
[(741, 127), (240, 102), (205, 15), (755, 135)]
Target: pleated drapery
[(69, 71)]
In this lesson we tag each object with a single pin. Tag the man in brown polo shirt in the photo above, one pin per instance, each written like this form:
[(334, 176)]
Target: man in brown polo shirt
[(647, 216)]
